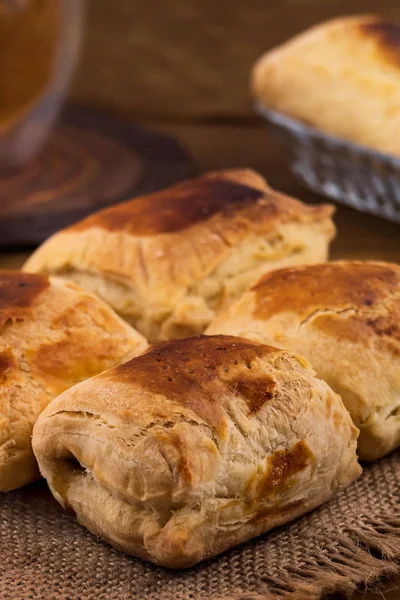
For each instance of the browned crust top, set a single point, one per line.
(325, 286)
(198, 200)
(197, 373)
(175, 208)
(18, 293)
(387, 33)
(352, 301)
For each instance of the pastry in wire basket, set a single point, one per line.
(332, 94)
(342, 77)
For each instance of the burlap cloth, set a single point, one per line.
(351, 540)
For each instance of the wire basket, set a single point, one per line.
(359, 177)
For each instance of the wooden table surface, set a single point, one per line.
(247, 143)
(190, 58)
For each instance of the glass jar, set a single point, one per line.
(39, 44)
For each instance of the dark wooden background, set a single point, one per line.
(182, 67)
(190, 59)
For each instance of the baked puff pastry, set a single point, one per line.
(342, 77)
(196, 446)
(52, 335)
(344, 317)
(169, 261)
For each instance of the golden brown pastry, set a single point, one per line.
(342, 76)
(196, 446)
(168, 261)
(344, 317)
(52, 335)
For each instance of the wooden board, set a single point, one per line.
(190, 58)
(90, 161)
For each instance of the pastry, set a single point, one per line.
(344, 317)
(169, 261)
(53, 335)
(342, 77)
(196, 446)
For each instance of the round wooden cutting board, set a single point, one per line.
(90, 161)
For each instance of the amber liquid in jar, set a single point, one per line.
(38, 47)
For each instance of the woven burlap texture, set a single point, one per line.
(354, 539)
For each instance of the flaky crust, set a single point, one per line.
(196, 446)
(53, 335)
(344, 317)
(342, 76)
(169, 261)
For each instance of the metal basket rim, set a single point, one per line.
(281, 120)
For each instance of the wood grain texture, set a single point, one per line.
(190, 58)
(90, 161)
